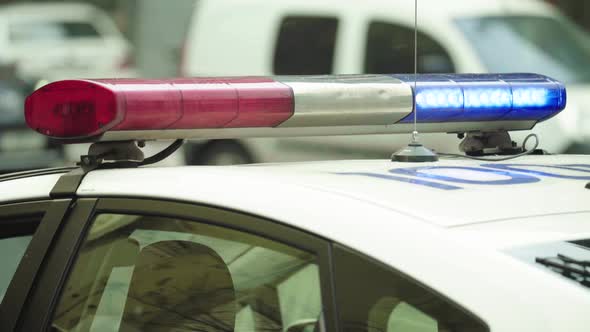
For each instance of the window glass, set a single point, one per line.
(12, 250)
(390, 50)
(15, 236)
(51, 31)
(372, 297)
(305, 46)
(555, 47)
(566, 259)
(139, 273)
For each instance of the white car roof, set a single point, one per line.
(459, 204)
(475, 198)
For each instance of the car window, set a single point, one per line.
(566, 259)
(142, 273)
(51, 31)
(553, 46)
(305, 45)
(15, 236)
(373, 297)
(390, 50)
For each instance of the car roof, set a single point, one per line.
(478, 192)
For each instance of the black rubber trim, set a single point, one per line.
(68, 184)
(37, 309)
(336, 310)
(50, 215)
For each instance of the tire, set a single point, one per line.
(218, 152)
(578, 148)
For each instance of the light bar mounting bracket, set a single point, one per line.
(120, 154)
(118, 151)
(485, 143)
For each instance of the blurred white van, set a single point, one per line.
(261, 37)
(62, 40)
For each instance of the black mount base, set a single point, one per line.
(414, 153)
(489, 143)
(123, 154)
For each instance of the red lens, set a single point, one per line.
(72, 109)
(76, 109)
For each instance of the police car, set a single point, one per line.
(499, 243)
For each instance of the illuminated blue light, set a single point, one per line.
(485, 97)
(439, 98)
(529, 97)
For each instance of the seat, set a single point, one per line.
(179, 286)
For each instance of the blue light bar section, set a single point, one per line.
(484, 97)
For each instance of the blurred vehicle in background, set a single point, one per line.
(20, 147)
(52, 41)
(287, 37)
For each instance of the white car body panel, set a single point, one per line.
(357, 213)
(27, 188)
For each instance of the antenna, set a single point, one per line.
(415, 152)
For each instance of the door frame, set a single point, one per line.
(48, 215)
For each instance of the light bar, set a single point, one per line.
(232, 107)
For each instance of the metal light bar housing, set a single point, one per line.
(236, 107)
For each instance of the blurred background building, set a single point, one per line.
(157, 28)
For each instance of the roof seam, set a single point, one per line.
(476, 223)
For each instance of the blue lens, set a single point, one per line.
(484, 97)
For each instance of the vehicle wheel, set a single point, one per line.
(219, 152)
(578, 148)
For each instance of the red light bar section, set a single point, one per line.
(146, 104)
(262, 104)
(206, 104)
(86, 108)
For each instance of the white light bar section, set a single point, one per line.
(363, 100)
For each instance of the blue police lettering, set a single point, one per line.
(513, 178)
(515, 173)
(521, 168)
(421, 182)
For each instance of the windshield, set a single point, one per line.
(552, 46)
